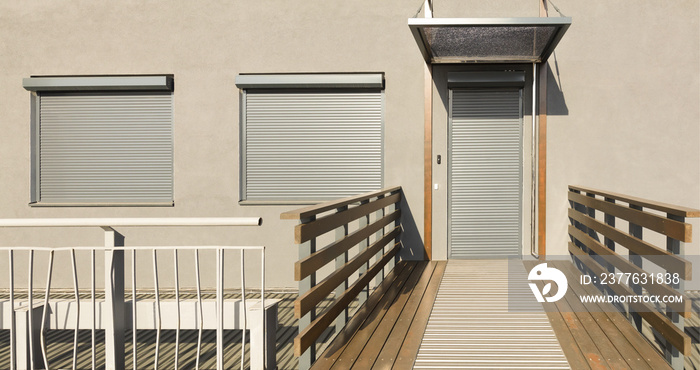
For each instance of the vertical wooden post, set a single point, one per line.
(305, 249)
(610, 221)
(340, 261)
(380, 276)
(609, 243)
(397, 206)
(428, 150)
(363, 222)
(673, 355)
(636, 231)
(428, 163)
(591, 214)
(114, 300)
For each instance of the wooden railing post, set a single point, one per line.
(398, 223)
(380, 277)
(580, 208)
(591, 214)
(114, 300)
(677, 247)
(636, 231)
(340, 261)
(609, 243)
(306, 249)
(363, 222)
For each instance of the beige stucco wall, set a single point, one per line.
(205, 44)
(624, 103)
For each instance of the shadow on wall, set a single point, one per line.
(556, 103)
(412, 244)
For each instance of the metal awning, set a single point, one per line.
(488, 40)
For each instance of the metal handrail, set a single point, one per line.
(130, 222)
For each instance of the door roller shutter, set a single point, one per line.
(485, 173)
(312, 144)
(105, 147)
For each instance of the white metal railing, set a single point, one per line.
(114, 311)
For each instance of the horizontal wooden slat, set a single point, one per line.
(646, 203)
(674, 229)
(661, 257)
(311, 298)
(312, 263)
(314, 210)
(307, 337)
(624, 265)
(308, 231)
(658, 321)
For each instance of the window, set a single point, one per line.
(310, 137)
(102, 140)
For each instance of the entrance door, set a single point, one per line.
(485, 172)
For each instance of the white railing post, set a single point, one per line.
(113, 316)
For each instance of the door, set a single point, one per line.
(485, 172)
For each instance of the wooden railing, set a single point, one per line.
(665, 219)
(377, 214)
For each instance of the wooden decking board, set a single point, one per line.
(615, 338)
(360, 320)
(624, 335)
(388, 332)
(629, 332)
(585, 343)
(365, 334)
(412, 330)
(380, 338)
(571, 350)
(618, 352)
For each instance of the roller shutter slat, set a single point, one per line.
(106, 148)
(312, 146)
(485, 173)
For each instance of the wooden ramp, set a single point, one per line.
(472, 326)
(386, 332)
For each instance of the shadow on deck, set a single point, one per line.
(389, 332)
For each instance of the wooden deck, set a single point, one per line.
(596, 335)
(387, 331)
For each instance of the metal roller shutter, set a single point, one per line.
(485, 172)
(105, 147)
(311, 145)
